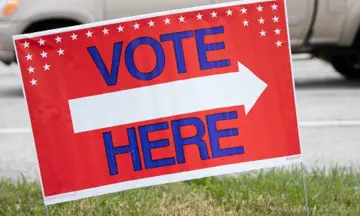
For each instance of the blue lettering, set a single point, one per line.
(130, 62)
(148, 145)
(112, 151)
(204, 48)
(110, 79)
(178, 47)
(180, 142)
(215, 135)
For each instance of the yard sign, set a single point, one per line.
(160, 98)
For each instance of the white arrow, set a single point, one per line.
(169, 99)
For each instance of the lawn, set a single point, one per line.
(271, 192)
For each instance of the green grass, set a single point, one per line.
(272, 192)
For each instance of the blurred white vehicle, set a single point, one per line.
(328, 29)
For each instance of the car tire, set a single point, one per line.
(347, 65)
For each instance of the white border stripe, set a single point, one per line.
(184, 176)
(138, 17)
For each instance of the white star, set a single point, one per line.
(243, 10)
(151, 23)
(136, 26)
(120, 28)
(259, 8)
(263, 33)
(276, 19)
(43, 54)
(182, 19)
(89, 34)
(74, 36)
(278, 43)
(229, 12)
(105, 31)
(261, 20)
(31, 69)
(33, 82)
(26, 44)
(246, 23)
(46, 67)
(277, 31)
(213, 14)
(61, 52)
(28, 57)
(167, 21)
(41, 42)
(58, 39)
(199, 16)
(274, 6)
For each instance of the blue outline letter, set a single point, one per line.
(215, 135)
(148, 145)
(112, 151)
(180, 142)
(160, 58)
(178, 47)
(110, 79)
(203, 48)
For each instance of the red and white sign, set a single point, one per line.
(160, 98)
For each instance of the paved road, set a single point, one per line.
(329, 114)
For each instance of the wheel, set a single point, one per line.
(346, 60)
(347, 65)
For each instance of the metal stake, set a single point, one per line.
(47, 210)
(305, 193)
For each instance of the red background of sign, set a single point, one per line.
(71, 162)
